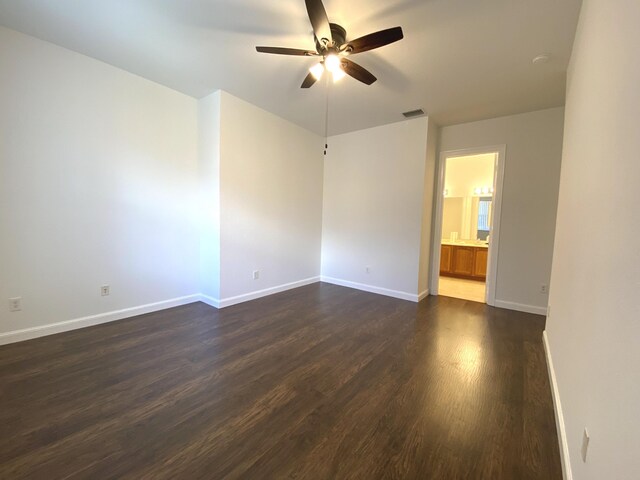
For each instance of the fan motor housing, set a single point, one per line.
(339, 35)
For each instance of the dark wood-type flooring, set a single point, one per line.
(321, 382)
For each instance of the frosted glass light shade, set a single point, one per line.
(317, 70)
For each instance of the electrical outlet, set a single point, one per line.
(15, 304)
(585, 445)
(544, 288)
(256, 274)
(105, 290)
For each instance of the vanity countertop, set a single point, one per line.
(466, 243)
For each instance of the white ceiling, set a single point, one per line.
(461, 60)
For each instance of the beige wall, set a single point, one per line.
(452, 213)
(532, 172)
(463, 174)
(594, 323)
(374, 203)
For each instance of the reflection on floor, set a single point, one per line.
(465, 289)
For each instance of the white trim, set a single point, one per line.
(565, 460)
(496, 215)
(67, 325)
(494, 239)
(212, 302)
(412, 297)
(423, 295)
(520, 307)
(436, 243)
(227, 302)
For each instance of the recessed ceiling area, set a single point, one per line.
(460, 60)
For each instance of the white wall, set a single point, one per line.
(271, 175)
(98, 185)
(209, 170)
(594, 324)
(529, 202)
(374, 183)
(428, 198)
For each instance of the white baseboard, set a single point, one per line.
(212, 302)
(557, 406)
(227, 302)
(59, 327)
(412, 297)
(67, 325)
(521, 307)
(423, 295)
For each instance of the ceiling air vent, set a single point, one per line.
(414, 113)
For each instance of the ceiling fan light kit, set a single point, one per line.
(338, 75)
(333, 47)
(317, 70)
(331, 64)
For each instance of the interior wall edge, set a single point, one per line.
(212, 302)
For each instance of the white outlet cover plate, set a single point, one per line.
(15, 304)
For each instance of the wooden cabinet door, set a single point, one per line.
(463, 260)
(445, 258)
(480, 263)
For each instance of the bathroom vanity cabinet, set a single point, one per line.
(464, 261)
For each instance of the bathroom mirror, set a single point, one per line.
(469, 217)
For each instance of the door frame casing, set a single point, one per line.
(496, 211)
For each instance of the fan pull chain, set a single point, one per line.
(326, 118)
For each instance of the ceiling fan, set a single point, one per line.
(332, 46)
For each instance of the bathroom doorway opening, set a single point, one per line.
(467, 225)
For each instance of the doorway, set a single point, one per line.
(467, 224)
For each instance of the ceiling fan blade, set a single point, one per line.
(357, 72)
(374, 40)
(309, 81)
(287, 51)
(319, 20)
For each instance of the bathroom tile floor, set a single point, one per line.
(464, 289)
